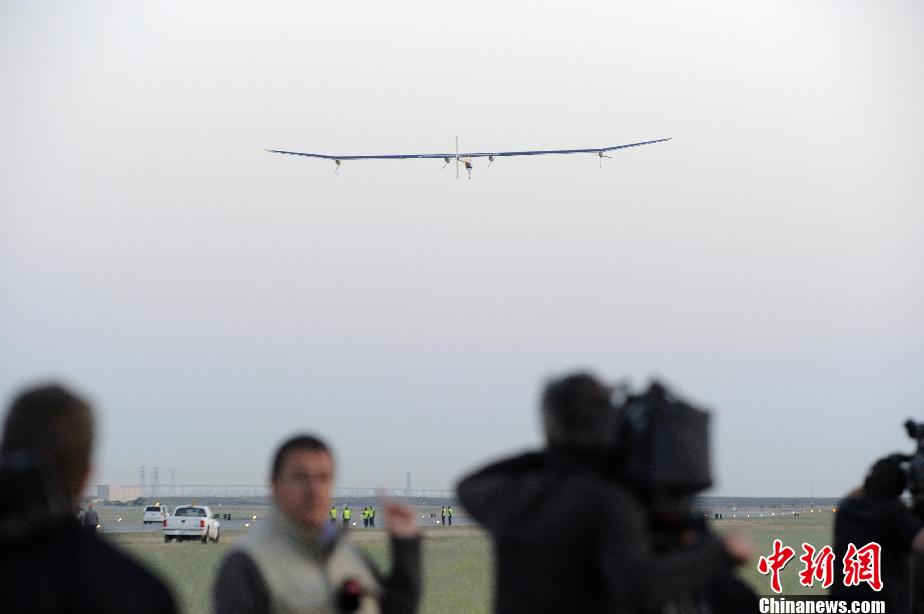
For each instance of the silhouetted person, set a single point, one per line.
(567, 537)
(90, 517)
(50, 563)
(874, 513)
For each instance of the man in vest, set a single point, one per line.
(365, 517)
(333, 514)
(443, 515)
(449, 514)
(372, 516)
(346, 515)
(297, 562)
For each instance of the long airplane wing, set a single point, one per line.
(371, 157)
(543, 152)
(480, 154)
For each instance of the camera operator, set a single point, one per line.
(874, 513)
(567, 536)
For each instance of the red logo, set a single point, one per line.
(775, 563)
(817, 566)
(860, 565)
(863, 566)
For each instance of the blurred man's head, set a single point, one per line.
(303, 480)
(577, 413)
(885, 480)
(56, 427)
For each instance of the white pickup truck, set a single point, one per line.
(155, 514)
(192, 522)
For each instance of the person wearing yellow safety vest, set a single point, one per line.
(366, 517)
(333, 514)
(346, 515)
(449, 514)
(372, 516)
(443, 514)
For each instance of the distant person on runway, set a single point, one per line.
(90, 518)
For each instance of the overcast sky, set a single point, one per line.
(212, 298)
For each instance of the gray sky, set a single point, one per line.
(213, 298)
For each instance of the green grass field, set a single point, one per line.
(457, 561)
(814, 528)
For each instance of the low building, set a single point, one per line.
(107, 492)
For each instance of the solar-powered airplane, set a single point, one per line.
(466, 158)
